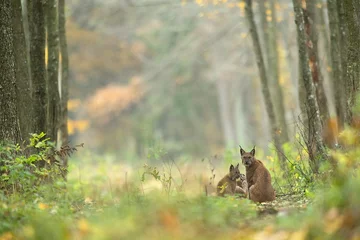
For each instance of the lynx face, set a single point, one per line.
(247, 157)
(234, 172)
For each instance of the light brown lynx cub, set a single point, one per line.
(258, 178)
(228, 184)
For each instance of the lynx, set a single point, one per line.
(258, 178)
(228, 184)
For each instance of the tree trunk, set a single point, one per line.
(37, 63)
(268, 22)
(353, 56)
(315, 147)
(277, 91)
(310, 24)
(227, 127)
(64, 80)
(53, 110)
(336, 63)
(9, 121)
(264, 81)
(21, 71)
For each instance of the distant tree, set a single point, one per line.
(314, 144)
(21, 71)
(271, 59)
(311, 18)
(37, 63)
(264, 80)
(338, 83)
(9, 120)
(53, 96)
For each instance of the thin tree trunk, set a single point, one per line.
(277, 91)
(37, 63)
(64, 80)
(270, 53)
(312, 106)
(224, 112)
(53, 110)
(353, 56)
(9, 121)
(336, 64)
(310, 24)
(264, 81)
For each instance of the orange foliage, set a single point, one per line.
(112, 100)
(331, 132)
(77, 125)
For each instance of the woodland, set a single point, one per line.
(118, 119)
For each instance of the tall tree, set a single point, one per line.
(64, 80)
(53, 109)
(336, 61)
(271, 57)
(311, 18)
(9, 121)
(37, 63)
(353, 55)
(315, 147)
(264, 81)
(21, 71)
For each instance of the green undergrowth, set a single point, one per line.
(110, 200)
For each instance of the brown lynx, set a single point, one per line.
(228, 184)
(258, 178)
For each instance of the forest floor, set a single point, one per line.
(115, 201)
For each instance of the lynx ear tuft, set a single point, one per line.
(253, 151)
(231, 167)
(237, 166)
(241, 151)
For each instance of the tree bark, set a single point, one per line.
(37, 63)
(64, 80)
(21, 71)
(264, 81)
(53, 109)
(311, 31)
(315, 147)
(336, 63)
(353, 56)
(9, 121)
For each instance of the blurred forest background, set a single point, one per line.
(183, 74)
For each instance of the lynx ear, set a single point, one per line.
(253, 151)
(231, 167)
(241, 151)
(237, 166)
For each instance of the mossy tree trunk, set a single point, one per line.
(53, 105)
(21, 71)
(64, 80)
(315, 146)
(264, 80)
(9, 120)
(353, 55)
(37, 63)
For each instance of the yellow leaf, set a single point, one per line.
(73, 104)
(318, 5)
(268, 12)
(83, 226)
(241, 5)
(43, 206)
(6, 236)
(268, 18)
(243, 35)
(299, 235)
